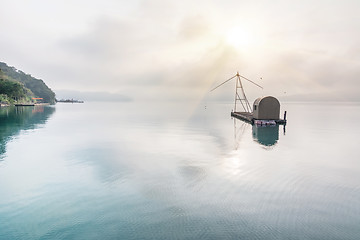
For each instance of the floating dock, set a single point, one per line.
(249, 118)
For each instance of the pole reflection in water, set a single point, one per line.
(239, 130)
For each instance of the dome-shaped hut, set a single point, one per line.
(266, 108)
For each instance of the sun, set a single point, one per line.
(239, 37)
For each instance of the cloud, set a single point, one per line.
(159, 65)
(194, 27)
(161, 50)
(310, 75)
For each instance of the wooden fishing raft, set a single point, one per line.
(266, 110)
(249, 118)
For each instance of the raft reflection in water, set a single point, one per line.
(266, 135)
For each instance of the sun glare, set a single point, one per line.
(239, 38)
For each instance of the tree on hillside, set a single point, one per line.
(12, 89)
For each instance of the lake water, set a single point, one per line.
(178, 171)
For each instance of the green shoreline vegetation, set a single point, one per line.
(18, 87)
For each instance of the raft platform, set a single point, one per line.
(249, 118)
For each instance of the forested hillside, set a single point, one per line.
(16, 86)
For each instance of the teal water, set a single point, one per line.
(178, 171)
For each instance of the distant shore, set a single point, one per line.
(23, 104)
(69, 101)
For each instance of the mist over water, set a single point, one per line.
(175, 171)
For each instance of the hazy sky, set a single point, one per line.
(178, 50)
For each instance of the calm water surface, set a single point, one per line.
(149, 171)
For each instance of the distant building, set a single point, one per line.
(266, 108)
